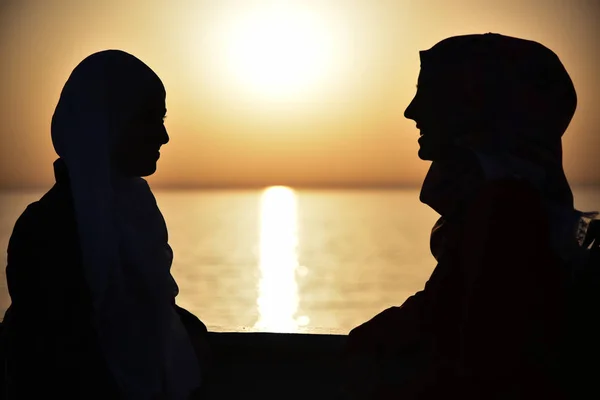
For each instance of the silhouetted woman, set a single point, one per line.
(93, 311)
(491, 321)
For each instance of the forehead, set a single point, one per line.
(451, 76)
(142, 93)
(155, 96)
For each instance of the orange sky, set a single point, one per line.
(328, 112)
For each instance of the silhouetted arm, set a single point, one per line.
(410, 326)
(393, 330)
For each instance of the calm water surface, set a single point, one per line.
(283, 260)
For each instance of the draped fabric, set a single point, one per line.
(122, 234)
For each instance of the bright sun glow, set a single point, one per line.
(278, 289)
(278, 52)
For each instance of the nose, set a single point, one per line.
(164, 136)
(410, 111)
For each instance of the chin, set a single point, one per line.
(427, 154)
(434, 149)
(147, 171)
(427, 148)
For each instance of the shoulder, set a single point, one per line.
(27, 226)
(39, 218)
(32, 214)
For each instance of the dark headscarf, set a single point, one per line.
(525, 81)
(528, 101)
(122, 234)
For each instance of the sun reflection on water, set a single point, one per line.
(277, 289)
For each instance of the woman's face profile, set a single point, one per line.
(447, 105)
(137, 148)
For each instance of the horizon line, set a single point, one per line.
(314, 186)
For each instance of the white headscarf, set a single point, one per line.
(122, 234)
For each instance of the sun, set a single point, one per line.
(278, 52)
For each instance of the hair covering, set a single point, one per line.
(122, 234)
(528, 103)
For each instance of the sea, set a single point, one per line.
(281, 259)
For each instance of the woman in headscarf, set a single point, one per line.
(93, 311)
(491, 321)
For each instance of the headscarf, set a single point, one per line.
(122, 234)
(528, 103)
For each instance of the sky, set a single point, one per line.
(325, 109)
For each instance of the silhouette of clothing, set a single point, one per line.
(111, 104)
(473, 320)
(50, 342)
(492, 319)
